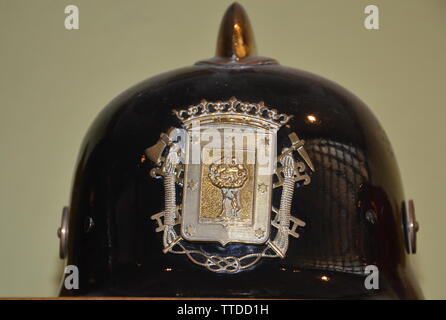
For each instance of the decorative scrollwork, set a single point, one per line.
(228, 264)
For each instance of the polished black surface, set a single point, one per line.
(352, 207)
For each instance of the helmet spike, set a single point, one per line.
(235, 38)
(235, 44)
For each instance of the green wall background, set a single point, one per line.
(53, 82)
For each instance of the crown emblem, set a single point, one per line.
(233, 111)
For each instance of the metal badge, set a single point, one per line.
(224, 160)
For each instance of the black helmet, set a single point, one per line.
(238, 177)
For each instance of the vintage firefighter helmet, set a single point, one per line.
(238, 177)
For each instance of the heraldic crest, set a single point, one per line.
(220, 173)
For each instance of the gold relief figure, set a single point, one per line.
(230, 178)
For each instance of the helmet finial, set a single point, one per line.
(236, 38)
(235, 44)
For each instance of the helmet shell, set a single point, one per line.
(353, 208)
